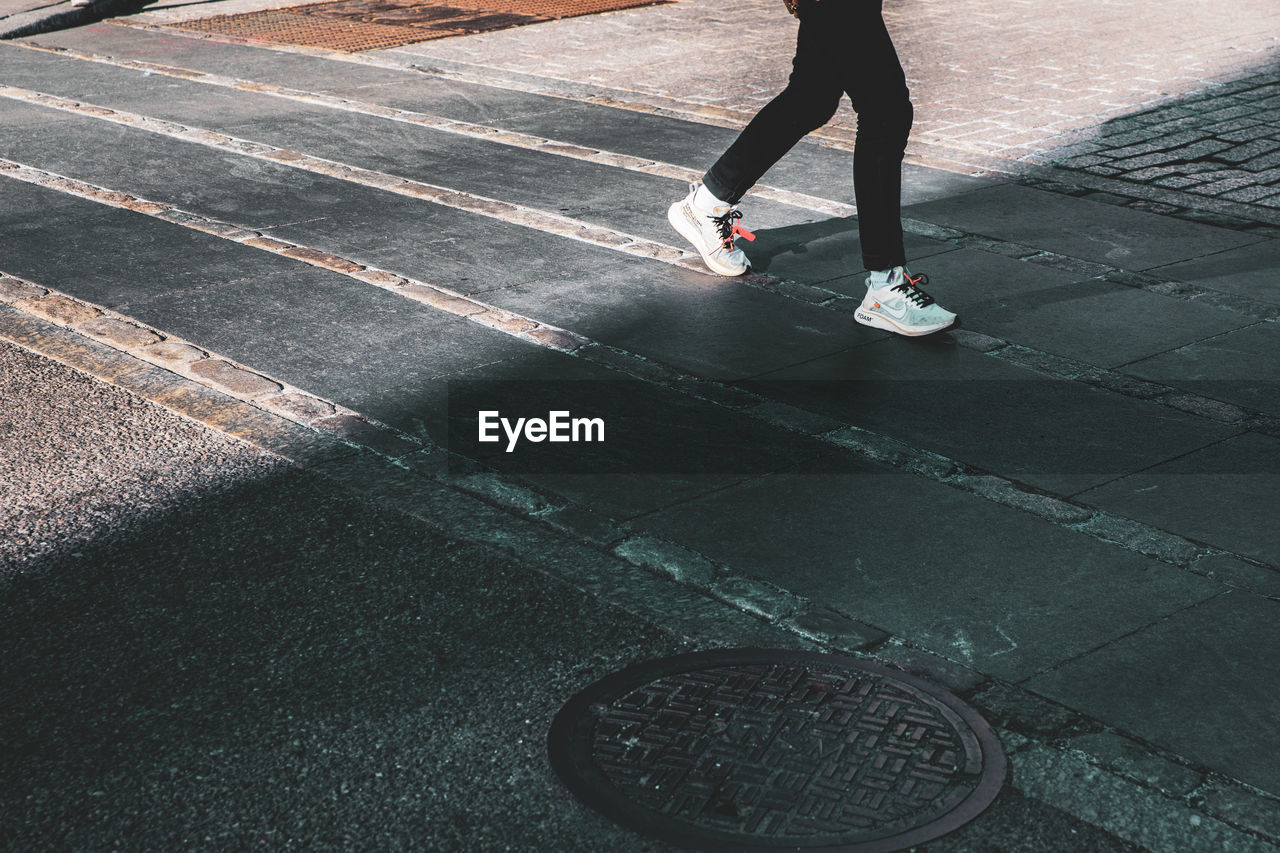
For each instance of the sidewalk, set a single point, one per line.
(996, 86)
(29, 17)
(1059, 512)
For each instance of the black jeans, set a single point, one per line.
(842, 47)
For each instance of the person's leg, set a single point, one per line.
(877, 87)
(810, 100)
(707, 216)
(842, 46)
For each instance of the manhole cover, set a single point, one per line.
(769, 750)
(356, 25)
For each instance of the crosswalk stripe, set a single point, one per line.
(497, 78)
(473, 130)
(505, 211)
(441, 298)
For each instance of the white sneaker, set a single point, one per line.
(712, 233)
(897, 304)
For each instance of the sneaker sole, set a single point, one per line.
(689, 232)
(878, 321)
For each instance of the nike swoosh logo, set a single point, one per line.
(899, 314)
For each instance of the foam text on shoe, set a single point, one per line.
(558, 426)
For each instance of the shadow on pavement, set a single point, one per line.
(1219, 143)
(66, 16)
(282, 665)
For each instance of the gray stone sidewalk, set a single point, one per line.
(10, 8)
(1188, 85)
(28, 17)
(996, 85)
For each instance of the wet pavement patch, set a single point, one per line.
(357, 25)
(757, 749)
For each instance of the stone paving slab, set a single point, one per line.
(1099, 322)
(1239, 367)
(29, 116)
(963, 278)
(330, 335)
(310, 72)
(468, 253)
(1224, 494)
(1248, 271)
(127, 88)
(419, 91)
(586, 191)
(1057, 435)
(1010, 605)
(817, 252)
(87, 234)
(710, 326)
(1129, 239)
(1211, 656)
(426, 240)
(269, 311)
(809, 168)
(157, 168)
(395, 86)
(458, 99)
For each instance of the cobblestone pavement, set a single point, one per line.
(1223, 142)
(996, 85)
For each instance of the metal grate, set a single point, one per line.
(286, 27)
(351, 26)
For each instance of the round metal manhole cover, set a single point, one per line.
(759, 749)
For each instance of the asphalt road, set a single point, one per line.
(208, 648)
